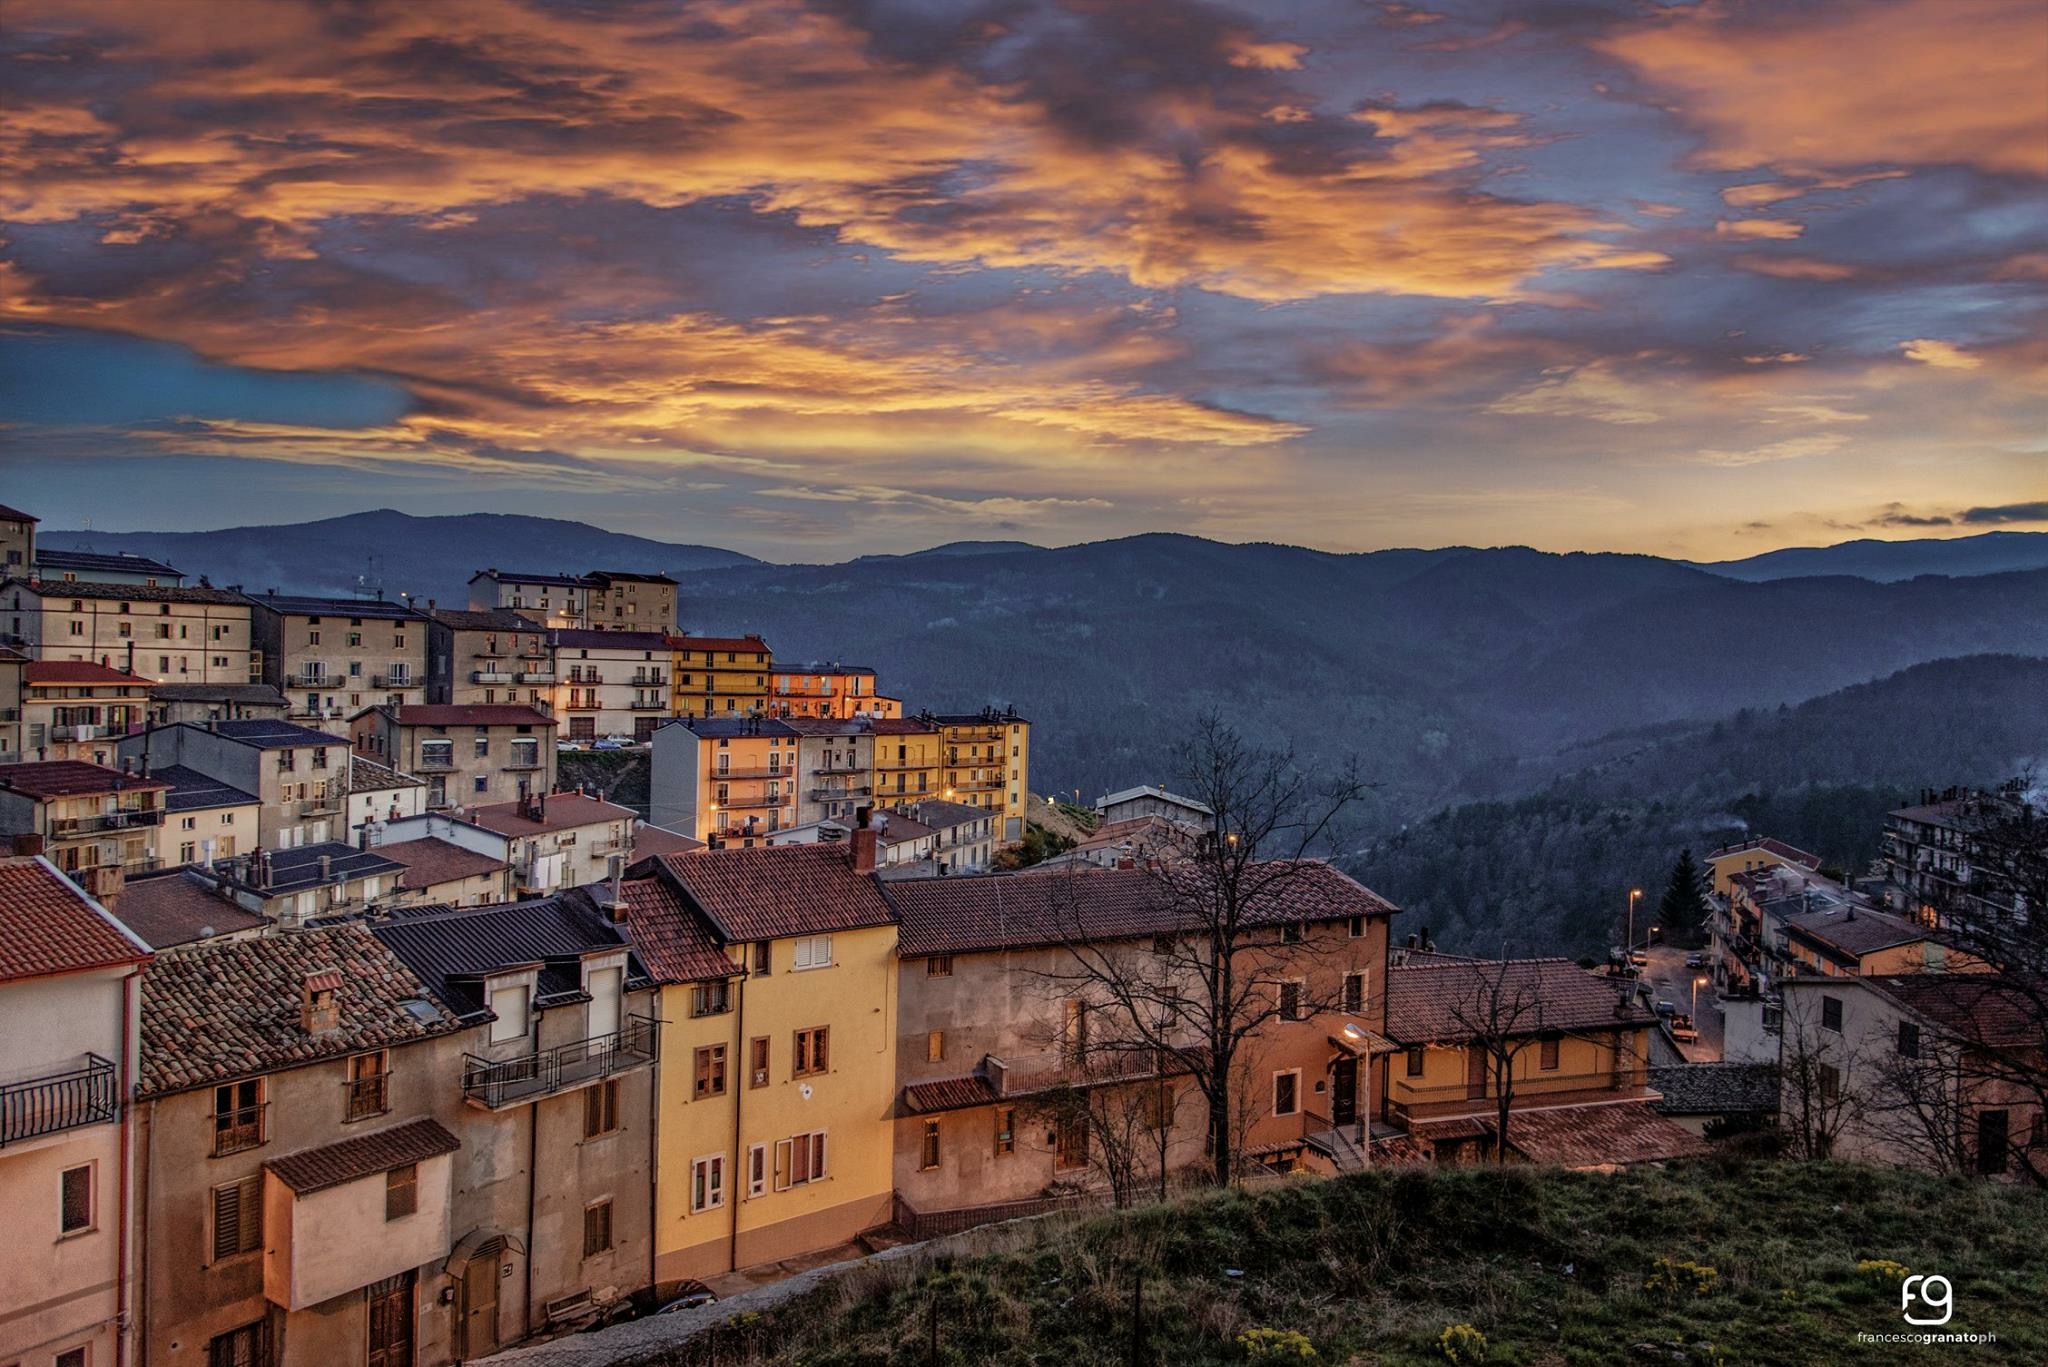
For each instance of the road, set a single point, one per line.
(1670, 980)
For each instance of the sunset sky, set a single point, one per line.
(1699, 279)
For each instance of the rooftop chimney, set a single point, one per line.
(319, 1009)
(326, 867)
(866, 841)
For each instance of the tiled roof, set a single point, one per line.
(1079, 902)
(826, 726)
(902, 726)
(258, 694)
(941, 815)
(627, 577)
(138, 593)
(1771, 846)
(431, 860)
(120, 562)
(179, 907)
(227, 1009)
(832, 667)
(363, 1155)
(652, 840)
(1856, 931)
(17, 515)
(988, 718)
(739, 645)
(566, 581)
(487, 619)
(1976, 1008)
(559, 812)
(366, 775)
(611, 640)
(78, 672)
(451, 949)
(193, 791)
(1459, 1127)
(267, 733)
(43, 780)
(949, 1094)
(1716, 1088)
(298, 605)
(467, 714)
(729, 728)
(675, 943)
(1519, 997)
(48, 926)
(774, 891)
(1589, 1136)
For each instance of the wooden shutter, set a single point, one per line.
(237, 1217)
(784, 1158)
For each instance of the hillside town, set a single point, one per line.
(347, 1023)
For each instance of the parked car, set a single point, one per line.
(1638, 957)
(609, 743)
(1695, 961)
(1683, 1030)
(1667, 1009)
(688, 1296)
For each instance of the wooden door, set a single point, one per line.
(1475, 1072)
(1344, 1092)
(480, 1307)
(391, 1321)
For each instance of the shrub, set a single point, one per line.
(1882, 1272)
(1672, 1278)
(1462, 1344)
(1277, 1345)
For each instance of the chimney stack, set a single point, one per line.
(319, 1007)
(866, 841)
(326, 867)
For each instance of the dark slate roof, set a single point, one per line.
(267, 733)
(626, 577)
(988, 718)
(120, 563)
(610, 640)
(304, 606)
(17, 515)
(1716, 1088)
(179, 907)
(53, 778)
(193, 791)
(1854, 931)
(1079, 902)
(202, 692)
(486, 619)
(138, 593)
(298, 869)
(774, 891)
(559, 812)
(724, 728)
(452, 950)
(49, 926)
(941, 815)
(466, 714)
(1534, 997)
(1769, 845)
(362, 1155)
(567, 581)
(228, 1009)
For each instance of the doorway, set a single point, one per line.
(1344, 1092)
(391, 1321)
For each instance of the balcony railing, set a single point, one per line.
(308, 681)
(585, 676)
(510, 1082)
(515, 762)
(489, 676)
(649, 681)
(648, 705)
(321, 806)
(393, 681)
(589, 704)
(839, 769)
(721, 775)
(124, 820)
(764, 802)
(61, 1101)
(534, 676)
(239, 1129)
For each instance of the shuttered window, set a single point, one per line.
(238, 1217)
(811, 1051)
(401, 1191)
(710, 1071)
(597, 1229)
(799, 1159)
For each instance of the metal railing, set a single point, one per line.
(394, 681)
(58, 1102)
(648, 705)
(509, 1082)
(534, 676)
(239, 1129)
(934, 1224)
(321, 806)
(308, 681)
(368, 1096)
(839, 794)
(127, 818)
(490, 676)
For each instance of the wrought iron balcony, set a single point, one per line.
(128, 818)
(534, 676)
(489, 676)
(58, 1102)
(321, 806)
(515, 1081)
(394, 681)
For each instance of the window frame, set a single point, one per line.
(1294, 1077)
(707, 1183)
(401, 1192)
(710, 1075)
(89, 1220)
(597, 1221)
(811, 1051)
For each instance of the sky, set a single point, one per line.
(816, 280)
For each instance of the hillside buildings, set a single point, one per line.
(334, 656)
(94, 823)
(165, 634)
(71, 709)
(721, 675)
(1131, 804)
(1936, 862)
(468, 753)
(299, 776)
(610, 683)
(833, 691)
(987, 764)
(493, 655)
(603, 600)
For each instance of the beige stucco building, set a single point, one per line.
(299, 777)
(467, 753)
(167, 634)
(333, 657)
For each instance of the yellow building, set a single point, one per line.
(987, 764)
(833, 692)
(909, 760)
(1761, 853)
(724, 779)
(778, 1069)
(718, 676)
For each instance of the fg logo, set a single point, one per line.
(1931, 1293)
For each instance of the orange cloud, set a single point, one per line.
(1771, 229)
(1939, 354)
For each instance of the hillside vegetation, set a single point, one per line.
(1548, 1266)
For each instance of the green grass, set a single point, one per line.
(1550, 1266)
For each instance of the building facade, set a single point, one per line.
(909, 761)
(168, 635)
(610, 683)
(94, 823)
(74, 709)
(831, 691)
(988, 765)
(493, 655)
(467, 753)
(333, 657)
(299, 776)
(721, 676)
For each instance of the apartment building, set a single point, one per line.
(68, 979)
(174, 702)
(479, 753)
(1748, 856)
(778, 992)
(832, 691)
(333, 657)
(204, 818)
(557, 601)
(298, 886)
(622, 601)
(169, 635)
(557, 840)
(936, 838)
(17, 542)
(1013, 1072)
(1932, 860)
(74, 709)
(493, 655)
(724, 778)
(988, 765)
(1569, 1048)
(611, 683)
(909, 760)
(835, 764)
(94, 823)
(299, 777)
(721, 675)
(93, 567)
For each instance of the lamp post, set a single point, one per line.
(1628, 944)
(1697, 980)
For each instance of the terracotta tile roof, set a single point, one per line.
(227, 1009)
(466, 714)
(363, 1155)
(671, 939)
(366, 775)
(137, 593)
(949, 1094)
(1588, 1136)
(1529, 996)
(1397, 1149)
(49, 926)
(487, 619)
(749, 645)
(1977, 1008)
(432, 860)
(774, 891)
(43, 780)
(1854, 932)
(559, 812)
(902, 726)
(998, 911)
(178, 907)
(78, 672)
(1771, 846)
(1460, 1127)
(651, 840)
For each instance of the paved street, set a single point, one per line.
(1670, 980)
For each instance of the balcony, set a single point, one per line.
(978, 785)
(239, 1129)
(489, 676)
(721, 775)
(584, 676)
(648, 705)
(840, 794)
(649, 681)
(750, 803)
(394, 681)
(309, 681)
(513, 1082)
(147, 864)
(517, 762)
(534, 676)
(59, 1102)
(839, 769)
(321, 806)
(127, 819)
(583, 704)
(435, 764)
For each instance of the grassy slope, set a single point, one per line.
(1372, 1269)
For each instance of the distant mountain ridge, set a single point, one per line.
(1886, 561)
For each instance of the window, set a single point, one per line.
(509, 1005)
(1162, 944)
(1547, 1053)
(70, 1357)
(1157, 1105)
(764, 958)
(1357, 927)
(707, 1183)
(811, 1052)
(799, 1159)
(1290, 934)
(1287, 1092)
(237, 1116)
(597, 1228)
(601, 1109)
(1354, 992)
(401, 1191)
(710, 1071)
(75, 1200)
(1830, 1082)
(1831, 1014)
(369, 1085)
(935, 1047)
(1290, 1001)
(483, 745)
(939, 966)
(757, 1061)
(928, 1151)
(1074, 1032)
(1006, 1130)
(247, 1346)
(437, 753)
(710, 999)
(757, 1170)
(238, 1217)
(813, 951)
(525, 753)
(1909, 1040)
(1070, 1142)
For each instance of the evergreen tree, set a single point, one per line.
(1683, 911)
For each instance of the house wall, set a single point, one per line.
(988, 764)
(1587, 1070)
(847, 780)
(81, 721)
(611, 690)
(380, 736)
(907, 767)
(349, 673)
(232, 830)
(487, 666)
(717, 683)
(301, 805)
(201, 642)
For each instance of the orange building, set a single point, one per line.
(833, 692)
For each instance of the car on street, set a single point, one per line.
(1683, 1030)
(1667, 1009)
(1695, 961)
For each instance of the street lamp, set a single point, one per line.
(1696, 997)
(1628, 944)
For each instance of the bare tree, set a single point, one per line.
(1228, 955)
(1500, 1017)
(1918, 1102)
(1819, 1074)
(1128, 1127)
